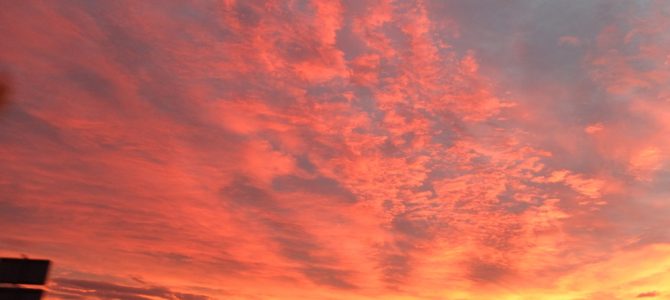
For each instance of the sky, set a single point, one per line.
(354, 149)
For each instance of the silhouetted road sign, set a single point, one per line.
(11, 293)
(24, 271)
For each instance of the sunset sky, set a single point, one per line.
(355, 149)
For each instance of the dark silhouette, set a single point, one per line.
(15, 271)
(14, 293)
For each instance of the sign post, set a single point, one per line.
(15, 271)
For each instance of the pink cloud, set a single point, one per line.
(334, 150)
(569, 40)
